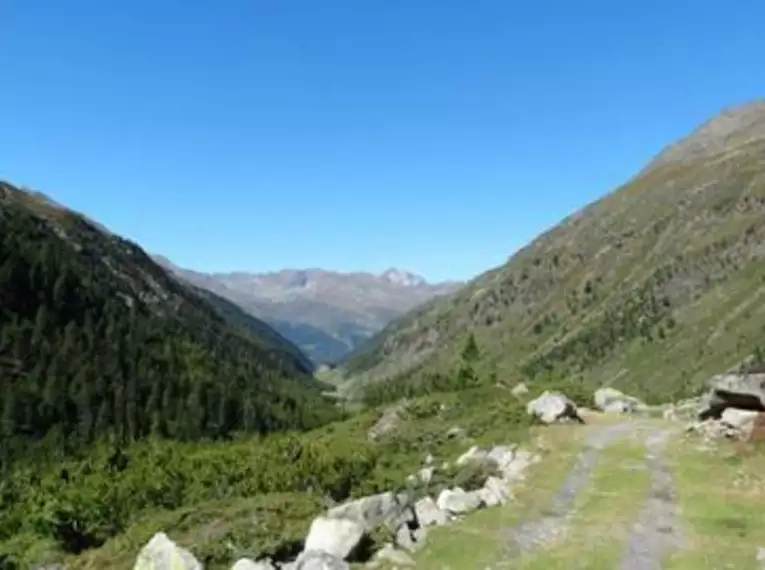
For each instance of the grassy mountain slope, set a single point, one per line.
(326, 313)
(654, 287)
(96, 339)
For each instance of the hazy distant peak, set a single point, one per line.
(402, 277)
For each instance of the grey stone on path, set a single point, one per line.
(658, 528)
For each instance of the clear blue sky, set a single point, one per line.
(433, 135)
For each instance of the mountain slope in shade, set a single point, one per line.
(326, 313)
(96, 339)
(652, 288)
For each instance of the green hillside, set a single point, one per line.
(654, 287)
(97, 340)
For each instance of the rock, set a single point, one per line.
(761, 557)
(375, 510)
(410, 539)
(475, 453)
(455, 432)
(553, 407)
(428, 459)
(426, 474)
(396, 557)
(494, 492)
(319, 560)
(161, 553)
(389, 419)
(502, 456)
(740, 420)
(335, 536)
(428, 513)
(519, 390)
(514, 471)
(247, 564)
(742, 391)
(612, 400)
(458, 501)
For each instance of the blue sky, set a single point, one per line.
(433, 135)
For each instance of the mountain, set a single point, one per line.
(326, 313)
(96, 339)
(653, 288)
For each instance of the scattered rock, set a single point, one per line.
(319, 560)
(428, 459)
(426, 474)
(335, 536)
(553, 407)
(384, 508)
(740, 420)
(247, 564)
(458, 501)
(494, 492)
(519, 390)
(161, 553)
(614, 401)
(475, 453)
(455, 432)
(428, 513)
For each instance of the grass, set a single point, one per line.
(722, 498)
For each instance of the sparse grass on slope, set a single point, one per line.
(653, 288)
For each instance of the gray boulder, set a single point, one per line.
(494, 492)
(553, 407)
(428, 513)
(319, 560)
(612, 400)
(384, 508)
(247, 564)
(458, 501)
(740, 420)
(161, 553)
(333, 535)
(742, 391)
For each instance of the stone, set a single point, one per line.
(742, 391)
(455, 432)
(515, 470)
(614, 401)
(553, 407)
(319, 560)
(161, 553)
(428, 513)
(494, 492)
(426, 474)
(372, 511)
(247, 564)
(458, 501)
(333, 535)
(761, 557)
(404, 538)
(393, 556)
(740, 420)
(519, 390)
(428, 459)
(502, 456)
(388, 421)
(475, 453)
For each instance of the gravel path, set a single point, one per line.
(533, 534)
(658, 529)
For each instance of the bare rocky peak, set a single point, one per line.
(732, 128)
(402, 277)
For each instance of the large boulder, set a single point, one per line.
(740, 420)
(494, 492)
(742, 391)
(161, 553)
(612, 400)
(333, 535)
(247, 564)
(553, 407)
(388, 508)
(458, 501)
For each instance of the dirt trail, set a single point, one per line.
(658, 529)
(533, 534)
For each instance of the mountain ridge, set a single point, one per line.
(327, 313)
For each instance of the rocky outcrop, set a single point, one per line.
(161, 553)
(334, 535)
(613, 401)
(552, 407)
(387, 422)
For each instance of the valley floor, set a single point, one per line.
(626, 494)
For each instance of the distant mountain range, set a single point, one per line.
(327, 314)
